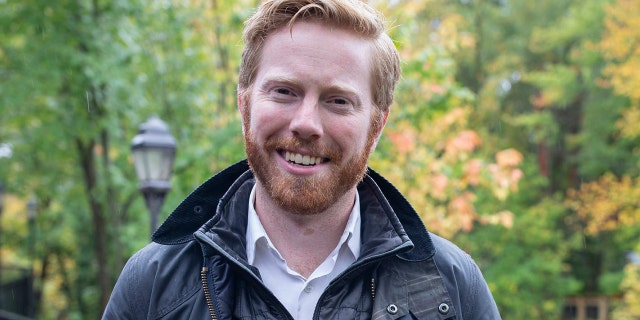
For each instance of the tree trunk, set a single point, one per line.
(88, 165)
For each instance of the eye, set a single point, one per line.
(283, 91)
(339, 101)
(340, 104)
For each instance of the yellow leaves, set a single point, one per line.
(451, 37)
(629, 308)
(628, 123)
(607, 204)
(621, 46)
(504, 218)
(621, 25)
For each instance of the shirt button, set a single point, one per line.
(308, 288)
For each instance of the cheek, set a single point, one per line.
(351, 137)
(264, 122)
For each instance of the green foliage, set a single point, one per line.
(77, 80)
(537, 70)
(606, 151)
(629, 307)
(516, 276)
(525, 265)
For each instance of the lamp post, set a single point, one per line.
(32, 212)
(154, 150)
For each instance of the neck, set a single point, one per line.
(304, 241)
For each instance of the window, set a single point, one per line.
(586, 308)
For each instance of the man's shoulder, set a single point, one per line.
(464, 280)
(156, 264)
(447, 252)
(455, 263)
(155, 256)
(148, 286)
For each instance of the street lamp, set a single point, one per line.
(154, 150)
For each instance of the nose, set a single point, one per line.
(306, 121)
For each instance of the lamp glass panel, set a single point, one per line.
(140, 164)
(153, 164)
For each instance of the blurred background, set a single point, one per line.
(514, 134)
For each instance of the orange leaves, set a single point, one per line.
(505, 172)
(472, 171)
(403, 141)
(439, 168)
(509, 158)
(607, 204)
(464, 143)
(439, 183)
(462, 210)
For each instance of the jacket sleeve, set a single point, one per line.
(465, 283)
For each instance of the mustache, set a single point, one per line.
(315, 148)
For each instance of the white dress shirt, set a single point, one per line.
(297, 294)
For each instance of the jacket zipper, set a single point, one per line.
(373, 289)
(207, 293)
(205, 287)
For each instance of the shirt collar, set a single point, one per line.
(256, 232)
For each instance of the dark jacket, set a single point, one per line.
(196, 266)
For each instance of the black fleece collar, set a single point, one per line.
(199, 207)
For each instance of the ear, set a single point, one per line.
(383, 123)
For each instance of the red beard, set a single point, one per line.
(305, 195)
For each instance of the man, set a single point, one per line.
(303, 230)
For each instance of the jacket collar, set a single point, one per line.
(199, 207)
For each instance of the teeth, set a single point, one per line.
(300, 159)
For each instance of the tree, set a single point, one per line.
(535, 71)
(621, 47)
(78, 78)
(630, 306)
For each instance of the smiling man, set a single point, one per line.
(303, 229)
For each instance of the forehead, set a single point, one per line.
(319, 51)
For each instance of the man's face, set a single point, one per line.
(308, 116)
